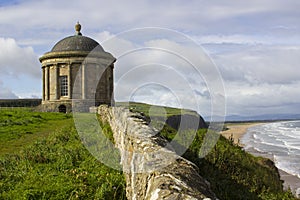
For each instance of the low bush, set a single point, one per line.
(232, 172)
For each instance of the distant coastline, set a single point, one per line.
(237, 129)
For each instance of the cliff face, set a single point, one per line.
(151, 167)
(186, 121)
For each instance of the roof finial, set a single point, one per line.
(77, 29)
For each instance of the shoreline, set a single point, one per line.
(237, 130)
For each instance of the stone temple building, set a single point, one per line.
(77, 73)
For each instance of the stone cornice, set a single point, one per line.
(68, 54)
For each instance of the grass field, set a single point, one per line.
(155, 111)
(42, 157)
(21, 126)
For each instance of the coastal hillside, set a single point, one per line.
(54, 164)
(232, 172)
(173, 117)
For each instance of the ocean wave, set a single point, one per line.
(281, 139)
(289, 164)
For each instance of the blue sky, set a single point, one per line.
(255, 45)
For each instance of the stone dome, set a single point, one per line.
(77, 42)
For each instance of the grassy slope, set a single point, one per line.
(53, 163)
(59, 167)
(232, 172)
(154, 111)
(236, 174)
(20, 126)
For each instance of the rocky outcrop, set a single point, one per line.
(152, 168)
(186, 121)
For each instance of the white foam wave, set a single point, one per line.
(288, 164)
(282, 139)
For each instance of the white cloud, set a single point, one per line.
(16, 60)
(261, 64)
(247, 99)
(103, 36)
(6, 93)
(239, 39)
(261, 79)
(231, 30)
(19, 69)
(251, 73)
(171, 69)
(196, 16)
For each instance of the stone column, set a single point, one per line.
(111, 91)
(69, 82)
(46, 83)
(43, 93)
(56, 75)
(107, 74)
(83, 91)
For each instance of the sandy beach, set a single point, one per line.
(237, 130)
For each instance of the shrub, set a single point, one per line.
(232, 172)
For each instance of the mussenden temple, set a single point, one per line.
(77, 71)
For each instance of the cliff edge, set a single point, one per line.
(152, 168)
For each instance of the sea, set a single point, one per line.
(279, 141)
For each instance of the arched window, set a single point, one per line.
(63, 81)
(62, 109)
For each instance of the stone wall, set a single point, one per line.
(151, 167)
(20, 102)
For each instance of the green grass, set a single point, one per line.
(20, 126)
(232, 172)
(54, 164)
(51, 162)
(154, 111)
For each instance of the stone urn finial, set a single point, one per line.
(77, 29)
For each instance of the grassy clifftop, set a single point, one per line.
(42, 157)
(21, 126)
(232, 172)
(156, 110)
(52, 163)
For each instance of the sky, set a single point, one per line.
(234, 57)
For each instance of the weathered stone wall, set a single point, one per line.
(151, 167)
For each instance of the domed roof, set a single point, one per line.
(77, 42)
